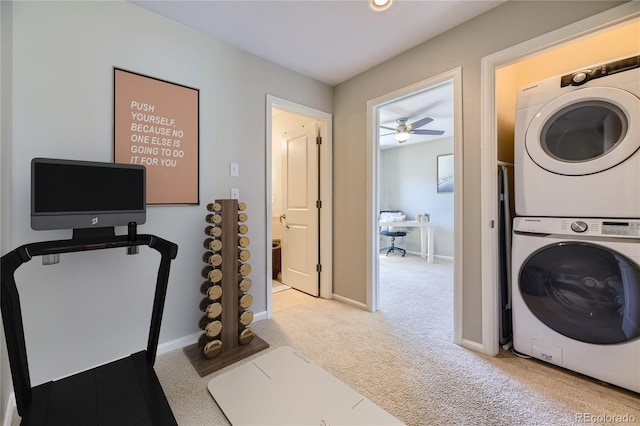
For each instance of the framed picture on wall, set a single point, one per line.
(445, 173)
(156, 124)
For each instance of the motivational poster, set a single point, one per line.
(156, 125)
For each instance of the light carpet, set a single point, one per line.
(403, 359)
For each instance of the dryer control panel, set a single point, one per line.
(578, 78)
(619, 228)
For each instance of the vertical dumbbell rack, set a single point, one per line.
(231, 349)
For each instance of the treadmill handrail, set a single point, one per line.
(10, 298)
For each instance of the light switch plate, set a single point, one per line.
(233, 169)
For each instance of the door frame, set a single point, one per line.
(489, 147)
(373, 190)
(325, 122)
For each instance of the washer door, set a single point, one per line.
(585, 131)
(583, 291)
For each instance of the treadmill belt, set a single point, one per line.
(120, 393)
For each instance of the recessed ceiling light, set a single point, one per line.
(380, 5)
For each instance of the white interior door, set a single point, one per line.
(300, 233)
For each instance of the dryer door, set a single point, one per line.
(583, 291)
(585, 131)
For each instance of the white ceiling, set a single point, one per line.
(329, 40)
(334, 40)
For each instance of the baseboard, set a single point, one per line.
(259, 316)
(178, 343)
(10, 410)
(190, 339)
(351, 302)
(440, 256)
(473, 346)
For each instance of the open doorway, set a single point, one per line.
(298, 200)
(416, 187)
(398, 195)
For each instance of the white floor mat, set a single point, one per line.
(282, 387)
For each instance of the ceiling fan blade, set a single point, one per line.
(388, 128)
(421, 122)
(427, 132)
(387, 134)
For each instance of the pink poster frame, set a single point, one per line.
(156, 124)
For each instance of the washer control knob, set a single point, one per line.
(579, 226)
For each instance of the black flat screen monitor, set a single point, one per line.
(71, 194)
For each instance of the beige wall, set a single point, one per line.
(464, 46)
(6, 50)
(62, 106)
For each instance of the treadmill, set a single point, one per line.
(122, 392)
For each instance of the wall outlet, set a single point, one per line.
(235, 193)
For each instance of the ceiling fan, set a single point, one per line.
(404, 130)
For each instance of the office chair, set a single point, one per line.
(392, 215)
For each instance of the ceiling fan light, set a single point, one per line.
(380, 5)
(402, 136)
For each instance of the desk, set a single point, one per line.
(426, 236)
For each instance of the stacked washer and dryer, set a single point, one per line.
(576, 234)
